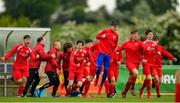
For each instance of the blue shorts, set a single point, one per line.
(103, 59)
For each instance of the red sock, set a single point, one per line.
(144, 84)
(148, 87)
(157, 88)
(20, 90)
(67, 92)
(177, 92)
(111, 89)
(106, 85)
(128, 84)
(74, 86)
(133, 82)
(86, 81)
(86, 88)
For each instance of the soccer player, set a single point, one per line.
(85, 86)
(65, 58)
(133, 50)
(51, 70)
(158, 64)
(108, 40)
(150, 50)
(20, 65)
(35, 65)
(92, 72)
(77, 60)
(113, 71)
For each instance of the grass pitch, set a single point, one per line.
(95, 98)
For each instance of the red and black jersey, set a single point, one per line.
(38, 50)
(52, 64)
(65, 57)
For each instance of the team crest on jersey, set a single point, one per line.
(114, 37)
(82, 55)
(27, 52)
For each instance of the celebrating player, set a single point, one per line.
(35, 65)
(108, 40)
(132, 49)
(158, 64)
(21, 65)
(51, 70)
(150, 50)
(65, 57)
(77, 60)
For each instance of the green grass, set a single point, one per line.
(96, 98)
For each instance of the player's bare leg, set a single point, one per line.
(134, 76)
(69, 87)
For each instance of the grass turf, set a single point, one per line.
(96, 98)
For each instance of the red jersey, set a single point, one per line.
(51, 64)
(159, 58)
(116, 57)
(66, 60)
(107, 44)
(38, 50)
(22, 55)
(150, 51)
(94, 51)
(133, 50)
(77, 57)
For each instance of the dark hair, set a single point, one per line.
(39, 39)
(114, 23)
(88, 41)
(80, 41)
(66, 46)
(148, 31)
(134, 31)
(26, 36)
(156, 38)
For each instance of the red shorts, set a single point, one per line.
(113, 72)
(77, 74)
(19, 72)
(149, 69)
(85, 71)
(130, 66)
(159, 71)
(93, 67)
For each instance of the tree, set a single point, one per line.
(33, 9)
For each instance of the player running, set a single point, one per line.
(65, 58)
(51, 70)
(34, 65)
(21, 65)
(108, 41)
(133, 52)
(150, 50)
(158, 64)
(113, 72)
(77, 60)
